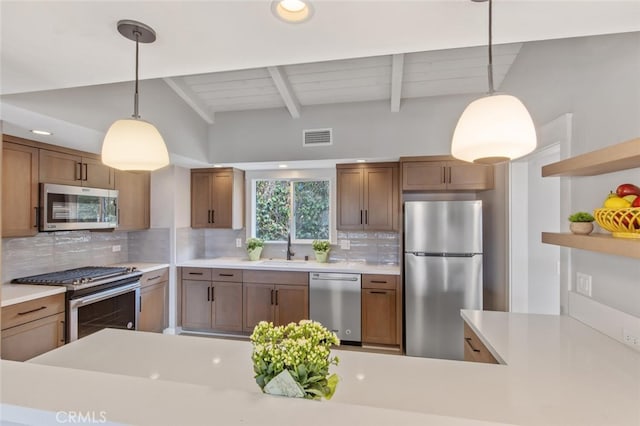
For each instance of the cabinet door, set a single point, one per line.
(95, 174)
(153, 307)
(34, 338)
(258, 304)
(379, 316)
(196, 304)
(133, 200)
(200, 200)
(292, 303)
(61, 168)
(423, 176)
(221, 199)
(350, 187)
(19, 190)
(469, 176)
(380, 198)
(227, 306)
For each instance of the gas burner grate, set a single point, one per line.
(75, 276)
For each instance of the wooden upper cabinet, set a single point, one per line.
(217, 198)
(444, 174)
(133, 200)
(19, 190)
(68, 169)
(367, 197)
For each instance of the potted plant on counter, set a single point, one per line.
(581, 223)
(254, 248)
(321, 249)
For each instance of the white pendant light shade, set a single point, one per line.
(132, 144)
(493, 129)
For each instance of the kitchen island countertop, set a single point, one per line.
(557, 372)
(292, 265)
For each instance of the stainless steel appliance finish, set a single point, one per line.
(443, 274)
(97, 297)
(334, 301)
(64, 207)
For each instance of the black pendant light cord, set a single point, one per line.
(135, 96)
(490, 66)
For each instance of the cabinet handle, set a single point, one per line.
(360, 217)
(225, 275)
(468, 341)
(37, 225)
(78, 171)
(86, 171)
(32, 311)
(118, 216)
(208, 294)
(366, 217)
(63, 333)
(449, 174)
(276, 297)
(154, 278)
(378, 292)
(378, 281)
(213, 294)
(272, 297)
(140, 303)
(213, 216)
(208, 216)
(195, 273)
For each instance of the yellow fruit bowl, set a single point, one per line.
(622, 223)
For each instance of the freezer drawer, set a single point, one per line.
(436, 289)
(335, 302)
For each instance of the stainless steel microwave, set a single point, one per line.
(64, 207)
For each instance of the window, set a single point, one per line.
(301, 207)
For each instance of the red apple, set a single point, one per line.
(627, 189)
(636, 202)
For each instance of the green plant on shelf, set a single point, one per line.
(581, 217)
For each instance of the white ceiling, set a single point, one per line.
(235, 55)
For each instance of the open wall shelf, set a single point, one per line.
(603, 243)
(622, 156)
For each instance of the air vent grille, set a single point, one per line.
(317, 137)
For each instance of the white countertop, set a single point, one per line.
(292, 265)
(558, 371)
(18, 293)
(143, 266)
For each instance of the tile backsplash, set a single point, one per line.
(55, 251)
(151, 245)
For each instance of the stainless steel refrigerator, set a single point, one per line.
(443, 274)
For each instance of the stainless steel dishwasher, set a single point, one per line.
(334, 301)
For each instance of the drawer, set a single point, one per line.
(154, 277)
(229, 275)
(275, 277)
(32, 310)
(379, 281)
(198, 274)
(474, 349)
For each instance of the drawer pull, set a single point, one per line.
(63, 332)
(379, 281)
(156, 277)
(226, 275)
(32, 311)
(195, 273)
(468, 340)
(378, 292)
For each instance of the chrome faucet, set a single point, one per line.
(290, 254)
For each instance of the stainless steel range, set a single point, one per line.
(97, 297)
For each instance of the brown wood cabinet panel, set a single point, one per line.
(468, 176)
(379, 281)
(61, 168)
(379, 316)
(292, 303)
(19, 190)
(154, 277)
(226, 275)
(196, 304)
(33, 338)
(258, 304)
(196, 274)
(275, 277)
(95, 174)
(350, 199)
(221, 196)
(227, 306)
(200, 200)
(32, 310)
(153, 307)
(474, 349)
(445, 175)
(423, 176)
(217, 198)
(380, 198)
(134, 190)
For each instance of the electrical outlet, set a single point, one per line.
(116, 248)
(345, 244)
(630, 339)
(583, 284)
(238, 242)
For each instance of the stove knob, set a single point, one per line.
(129, 325)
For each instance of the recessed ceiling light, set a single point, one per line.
(41, 132)
(292, 11)
(283, 166)
(361, 161)
(217, 165)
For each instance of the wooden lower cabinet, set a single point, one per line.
(211, 305)
(474, 349)
(291, 303)
(153, 303)
(196, 304)
(381, 310)
(32, 328)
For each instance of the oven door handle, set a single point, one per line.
(93, 298)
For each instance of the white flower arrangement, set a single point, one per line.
(301, 350)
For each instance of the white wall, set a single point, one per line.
(598, 80)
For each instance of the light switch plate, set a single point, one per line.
(116, 248)
(583, 284)
(238, 242)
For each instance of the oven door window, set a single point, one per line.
(114, 312)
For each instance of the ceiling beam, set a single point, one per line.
(397, 67)
(282, 83)
(190, 97)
